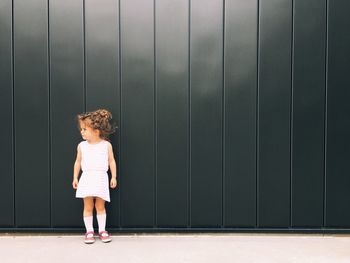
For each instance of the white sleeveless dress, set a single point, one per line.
(94, 164)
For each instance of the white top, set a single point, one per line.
(94, 156)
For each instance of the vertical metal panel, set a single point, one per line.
(102, 73)
(206, 112)
(308, 113)
(67, 100)
(240, 112)
(6, 134)
(274, 113)
(137, 121)
(172, 112)
(31, 113)
(338, 112)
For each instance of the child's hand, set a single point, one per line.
(75, 183)
(113, 183)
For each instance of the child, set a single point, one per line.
(94, 155)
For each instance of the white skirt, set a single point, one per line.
(95, 184)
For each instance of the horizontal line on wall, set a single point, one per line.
(185, 230)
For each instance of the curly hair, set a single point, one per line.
(99, 120)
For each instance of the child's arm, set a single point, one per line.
(76, 168)
(112, 166)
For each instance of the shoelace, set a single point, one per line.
(90, 235)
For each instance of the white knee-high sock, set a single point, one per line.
(101, 219)
(88, 221)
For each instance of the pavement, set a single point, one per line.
(179, 248)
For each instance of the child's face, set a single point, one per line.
(87, 132)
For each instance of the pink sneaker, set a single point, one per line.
(89, 237)
(105, 237)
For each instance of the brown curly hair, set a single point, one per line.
(99, 120)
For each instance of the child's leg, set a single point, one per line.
(88, 213)
(101, 214)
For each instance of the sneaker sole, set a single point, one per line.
(89, 242)
(106, 241)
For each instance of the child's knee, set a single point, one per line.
(88, 207)
(88, 204)
(100, 206)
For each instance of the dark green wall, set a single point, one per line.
(232, 114)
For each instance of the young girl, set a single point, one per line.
(94, 155)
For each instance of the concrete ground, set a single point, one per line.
(179, 248)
